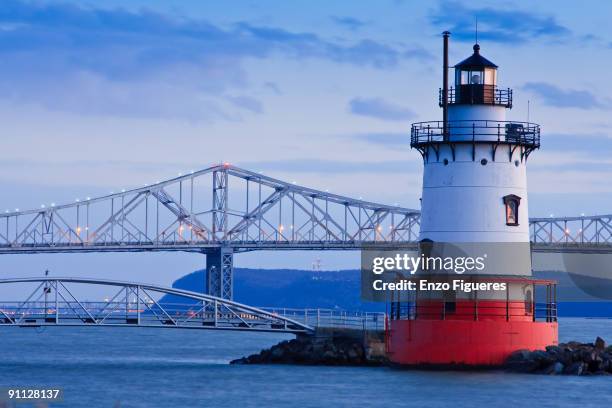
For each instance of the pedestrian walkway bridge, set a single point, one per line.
(60, 302)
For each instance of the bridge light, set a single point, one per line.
(226, 164)
(552, 215)
(52, 204)
(123, 190)
(192, 171)
(78, 200)
(78, 230)
(88, 198)
(567, 231)
(180, 174)
(16, 209)
(582, 214)
(42, 206)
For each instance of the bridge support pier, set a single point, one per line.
(220, 273)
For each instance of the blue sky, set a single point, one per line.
(103, 97)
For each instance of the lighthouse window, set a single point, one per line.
(511, 203)
(490, 76)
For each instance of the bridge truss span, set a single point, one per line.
(60, 302)
(221, 206)
(584, 234)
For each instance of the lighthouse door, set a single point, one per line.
(450, 302)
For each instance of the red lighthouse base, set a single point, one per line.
(472, 332)
(465, 343)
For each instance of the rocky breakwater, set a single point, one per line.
(321, 350)
(571, 358)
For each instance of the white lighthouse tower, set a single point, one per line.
(475, 165)
(475, 198)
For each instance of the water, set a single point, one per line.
(126, 367)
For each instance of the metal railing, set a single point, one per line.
(510, 311)
(520, 133)
(58, 302)
(330, 318)
(477, 94)
(149, 313)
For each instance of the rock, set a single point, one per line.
(572, 358)
(574, 369)
(519, 355)
(277, 352)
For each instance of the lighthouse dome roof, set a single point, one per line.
(475, 61)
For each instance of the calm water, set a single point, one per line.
(112, 367)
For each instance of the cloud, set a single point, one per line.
(564, 98)
(90, 60)
(379, 109)
(308, 45)
(273, 87)
(316, 165)
(351, 23)
(496, 24)
(591, 145)
(387, 139)
(247, 103)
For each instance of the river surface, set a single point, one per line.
(127, 367)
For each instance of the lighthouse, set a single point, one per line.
(474, 199)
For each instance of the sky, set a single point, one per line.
(98, 96)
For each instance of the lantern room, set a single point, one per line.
(475, 80)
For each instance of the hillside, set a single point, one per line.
(293, 288)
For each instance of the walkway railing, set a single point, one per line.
(330, 318)
(521, 133)
(59, 302)
(510, 311)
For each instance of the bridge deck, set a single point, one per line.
(56, 302)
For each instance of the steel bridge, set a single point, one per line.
(196, 212)
(59, 302)
(584, 234)
(56, 302)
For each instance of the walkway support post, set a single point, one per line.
(220, 273)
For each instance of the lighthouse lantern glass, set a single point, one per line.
(490, 77)
(475, 77)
